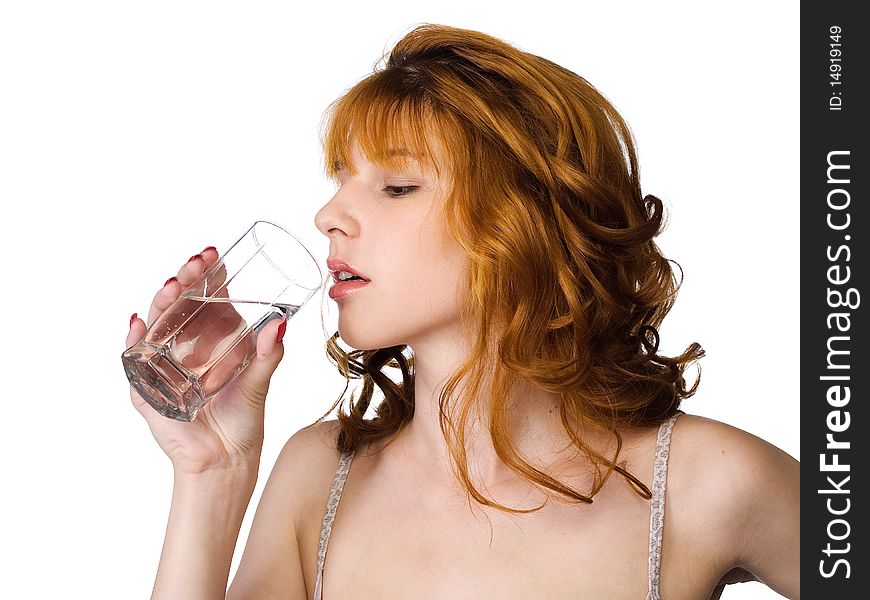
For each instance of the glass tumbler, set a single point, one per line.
(209, 335)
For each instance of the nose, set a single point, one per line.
(334, 218)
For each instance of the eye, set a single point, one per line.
(399, 190)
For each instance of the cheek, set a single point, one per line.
(442, 288)
(399, 312)
(418, 295)
(434, 287)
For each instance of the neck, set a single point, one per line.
(534, 424)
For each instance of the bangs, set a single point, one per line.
(393, 124)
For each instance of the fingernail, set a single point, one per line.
(133, 318)
(209, 248)
(170, 280)
(194, 257)
(281, 329)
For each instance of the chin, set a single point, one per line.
(369, 337)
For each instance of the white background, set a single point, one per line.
(132, 135)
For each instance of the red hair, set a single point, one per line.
(567, 288)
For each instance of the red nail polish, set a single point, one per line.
(133, 318)
(281, 329)
(209, 248)
(170, 280)
(194, 257)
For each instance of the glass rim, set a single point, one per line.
(252, 231)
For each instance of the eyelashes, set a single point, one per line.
(397, 191)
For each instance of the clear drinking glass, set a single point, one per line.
(209, 335)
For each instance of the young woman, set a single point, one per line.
(505, 296)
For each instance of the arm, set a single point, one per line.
(204, 522)
(293, 501)
(770, 536)
(215, 458)
(737, 499)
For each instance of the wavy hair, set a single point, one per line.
(567, 288)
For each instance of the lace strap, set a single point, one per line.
(329, 517)
(657, 505)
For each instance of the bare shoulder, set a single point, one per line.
(311, 447)
(740, 495)
(730, 462)
(727, 452)
(276, 559)
(305, 467)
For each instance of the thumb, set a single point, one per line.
(254, 380)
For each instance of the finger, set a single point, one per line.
(134, 335)
(187, 275)
(196, 264)
(164, 298)
(142, 407)
(216, 281)
(155, 420)
(254, 380)
(191, 270)
(216, 278)
(270, 338)
(209, 255)
(137, 330)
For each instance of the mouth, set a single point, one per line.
(342, 272)
(342, 276)
(347, 280)
(342, 288)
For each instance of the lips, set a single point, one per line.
(343, 288)
(336, 266)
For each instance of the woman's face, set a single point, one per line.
(386, 225)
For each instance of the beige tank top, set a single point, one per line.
(656, 519)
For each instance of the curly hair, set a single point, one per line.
(567, 288)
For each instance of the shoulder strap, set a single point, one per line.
(329, 517)
(657, 505)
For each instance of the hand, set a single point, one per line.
(227, 434)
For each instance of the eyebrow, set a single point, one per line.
(403, 152)
(338, 165)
